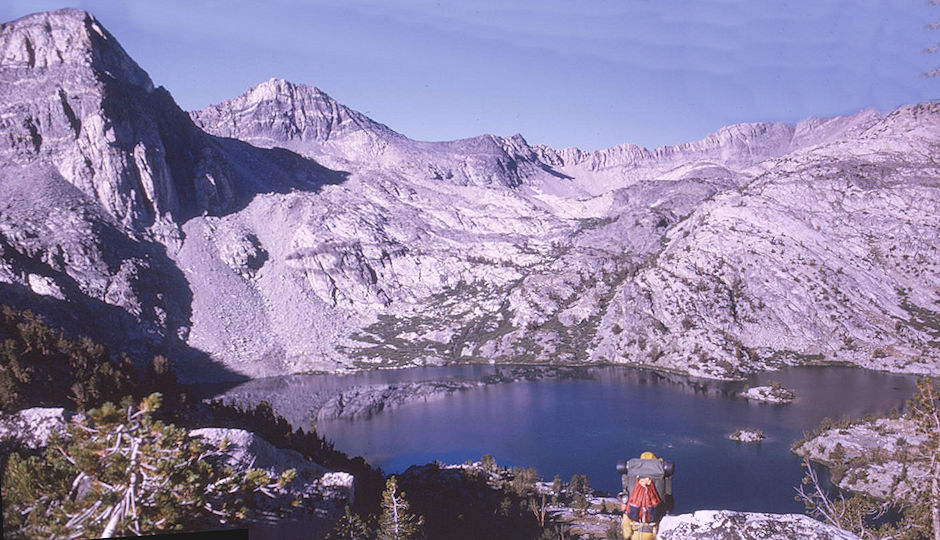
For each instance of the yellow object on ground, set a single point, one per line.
(634, 530)
(648, 455)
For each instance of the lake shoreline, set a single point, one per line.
(578, 419)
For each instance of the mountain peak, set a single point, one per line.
(69, 39)
(278, 110)
(277, 89)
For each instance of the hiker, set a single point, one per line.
(646, 495)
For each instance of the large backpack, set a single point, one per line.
(644, 504)
(654, 469)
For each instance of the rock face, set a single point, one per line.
(365, 402)
(99, 169)
(722, 524)
(282, 232)
(72, 96)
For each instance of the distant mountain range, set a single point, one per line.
(282, 232)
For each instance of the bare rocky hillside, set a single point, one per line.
(281, 232)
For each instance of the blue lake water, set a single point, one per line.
(585, 426)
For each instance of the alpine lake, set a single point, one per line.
(584, 420)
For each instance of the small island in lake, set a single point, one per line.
(773, 392)
(747, 435)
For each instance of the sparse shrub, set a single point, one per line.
(918, 508)
(580, 504)
(838, 454)
(464, 504)
(579, 484)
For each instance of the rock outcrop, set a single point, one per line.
(282, 232)
(871, 457)
(322, 493)
(721, 524)
(768, 394)
(365, 402)
(31, 428)
(747, 436)
(597, 516)
(99, 169)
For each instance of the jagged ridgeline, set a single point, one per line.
(281, 232)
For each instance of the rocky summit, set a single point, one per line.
(281, 232)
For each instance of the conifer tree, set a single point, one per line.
(523, 480)
(556, 489)
(119, 472)
(397, 522)
(580, 484)
(924, 409)
(350, 527)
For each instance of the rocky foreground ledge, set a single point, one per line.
(320, 493)
(723, 525)
(710, 525)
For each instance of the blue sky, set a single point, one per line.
(590, 74)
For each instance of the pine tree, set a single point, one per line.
(852, 514)
(39, 366)
(580, 484)
(350, 527)
(120, 472)
(924, 409)
(523, 480)
(397, 521)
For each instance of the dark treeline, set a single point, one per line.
(39, 366)
(461, 503)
